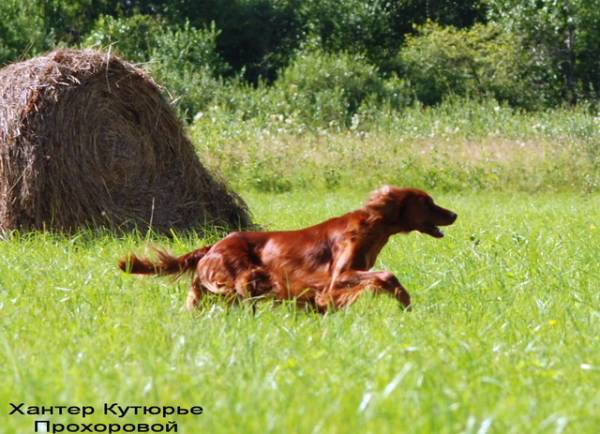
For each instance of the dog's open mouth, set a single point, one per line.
(433, 230)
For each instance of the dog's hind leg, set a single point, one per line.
(195, 294)
(253, 282)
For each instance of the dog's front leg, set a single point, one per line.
(341, 263)
(352, 283)
(390, 283)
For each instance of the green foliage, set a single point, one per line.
(187, 46)
(377, 29)
(183, 59)
(70, 20)
(134, 38)
(257, 37)
(563, 38)
(21, 30)
(457, 13)
(317, 90)
(325, 89)
(260, 36)
(535, 53)
(186, 62)
(479, 61)
(358, 26)
(587, 46)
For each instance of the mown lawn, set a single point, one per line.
(504, 336)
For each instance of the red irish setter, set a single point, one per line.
(326, 265)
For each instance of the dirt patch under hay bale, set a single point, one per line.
(87, 139)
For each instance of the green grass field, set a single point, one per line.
(504, 336)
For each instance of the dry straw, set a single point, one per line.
(87, 139)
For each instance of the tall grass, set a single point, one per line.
(458, 145)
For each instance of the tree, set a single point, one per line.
(21, 30)
(564, 38)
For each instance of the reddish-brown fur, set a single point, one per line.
(326, 265)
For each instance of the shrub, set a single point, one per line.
(356, 26)
(473, 62)
(183, 59)
(133, 38)
(328, 89)
(564, 39)
(21, 30)
(377, 28)
(257, 37)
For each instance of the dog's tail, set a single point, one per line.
(164, 264)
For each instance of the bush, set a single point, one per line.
(475, 62)
(377, 28)
(183, 59)
(187, 46)
(21, 30)
(356, 26)
(564, 39)
(257, 37)
(328, 89)
(68, 21)
(133, 38)
(186, 62)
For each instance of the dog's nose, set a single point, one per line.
(453, 216)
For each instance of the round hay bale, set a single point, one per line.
(87, 139)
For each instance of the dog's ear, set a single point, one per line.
(390, 203)
(379, 197)
(386, 189)
(383, 201)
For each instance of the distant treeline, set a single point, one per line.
(525, 53)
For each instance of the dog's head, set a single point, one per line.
(409, 209)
